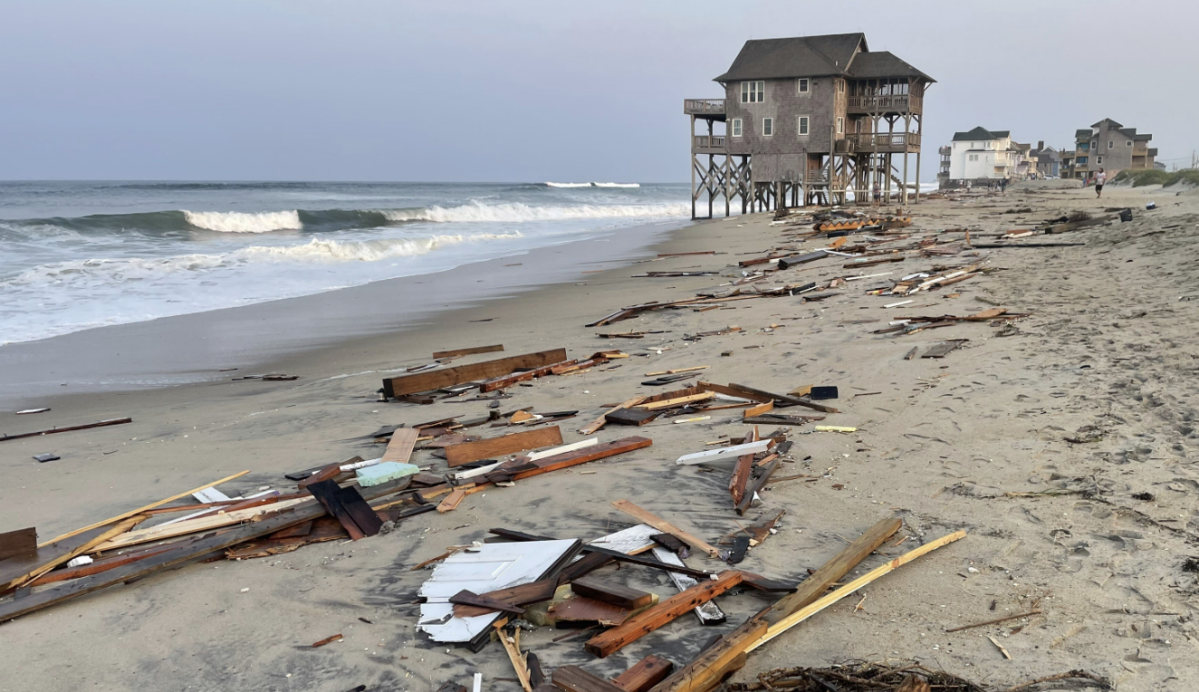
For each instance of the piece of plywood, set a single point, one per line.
(437, 379)
(458, 352)
(401, 444)
(457, 455)
(605, 643)
(21, 543)
(664, 526)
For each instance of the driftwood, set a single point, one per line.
(859, 676)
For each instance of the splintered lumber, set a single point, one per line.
(97, 566)
(579, 456)
(779, 419)
(665, 612)
(664, 526)
(737, 484)
(705, 670)
(644, 674)
(575, 679)
(399, 448)
(616, 594)
(21, 543)
(599, 422)
(724, 452)
(468, 351)
(448, 377)
(808, 611)
(739, 393)
(796, 401)
(466, 452)
(707, 613)
(202, 523)
(519, 664)
(451, 501)
(139, 510)
(756, 484)
(524, 376)
(51, 431)
(677, 402)
(326, 640)
(17, 572)
(208, 544)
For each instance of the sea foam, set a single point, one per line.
(243, 222)
(517, 212)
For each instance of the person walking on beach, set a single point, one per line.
(1100, 179)
(878, 194)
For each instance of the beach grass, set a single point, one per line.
(1140, 178)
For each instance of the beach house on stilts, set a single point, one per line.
(814, 118)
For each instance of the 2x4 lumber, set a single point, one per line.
(64, 553)
(680, 401)
(51, 431)
(139, 510)
(644, 674)
(208, 544)
(509, 380)
(401, 444)
(204, 523)
(468, 351)
(616, 594)
(647, 621)
(451, 501)
(582, 456)
(459, 454)
(664, 526)
(802, 614)
(437, 379)
(703, 672)
(599, 422)
(783, 398)
(758, 410)
(752, 395)
(707, 613)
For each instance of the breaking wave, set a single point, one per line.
(593, 185)
(617, 184)
(516, 212)
(243, 222)
(568, 184)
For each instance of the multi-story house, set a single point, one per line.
(1047, 161)
(981, 156)
(811, 118)
(1109, 145)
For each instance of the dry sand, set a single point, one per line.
(1109, 345)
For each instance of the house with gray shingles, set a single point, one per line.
(810, 119)
(1109, 145)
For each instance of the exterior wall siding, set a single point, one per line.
(783, 155)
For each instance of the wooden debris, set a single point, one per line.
(575, 679)
(999, 646)
(20, 544)
(677, 371)
(451, 502)
(664, 526)
(616, 594)
(326, 640)
(437, 379)
(519, 664)
(631, 416)
(485, 602)
(644, 674)
(944, 348)
(995, 621)
(599, 422)
(651, 405)
(52, 431)
(399, 448)
(724, 453)
(457, 455)
(467, 351)
(348, 507)
(665, 612)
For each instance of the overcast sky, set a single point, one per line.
(530, 91)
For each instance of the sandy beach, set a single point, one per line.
(1037, 437)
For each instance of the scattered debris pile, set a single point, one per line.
(860, 676)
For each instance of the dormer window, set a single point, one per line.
(804, 85)
(753, 92)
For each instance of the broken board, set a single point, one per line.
(437, 379)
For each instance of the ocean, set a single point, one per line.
(80, 255)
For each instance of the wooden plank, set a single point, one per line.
(401, 444)
(664, 526)
(577, 608)
(451, 501)
(670, 567)
(737, 484)
(944, 348)
(644, 674)
(707, 669)
(755, 485)
(522, 595)
(605, 643)
(52, 431)
(795, 401)
(469, 598)
(675, 403)
(740, 394)
(139, 510)
(630, 416)
(182, 553)
(616, 594)
(509, 380)
(326, 493)
(367, 519)
(708, 613)
(575, 679)
(583, 566)
(437, 379)
(512, 646)
(820, 604)
(20, 544)
(20, 572)
(758, 410)
(203, 523)
(724, 452)
(599, 422)
(457, 455)
(98, 566)
(831, 572)
(582, 456)
(468, 351)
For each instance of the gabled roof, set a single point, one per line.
(801, 56)
(1109, 121)
(980, 133)
(880, 64)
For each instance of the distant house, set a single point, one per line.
(981, 155)
(811, 118)
(1109, 145)
(1047, 161)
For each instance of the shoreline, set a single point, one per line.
(267, 336)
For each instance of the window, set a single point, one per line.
(736, 127)
(1099, 159)
(767, 127)
(753, 92)
(1128, 143)
(974, 157)
(840, 126)
(803, 126)
(1110, 144)
(841, 85)
(804, 85)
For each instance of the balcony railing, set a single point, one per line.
(708, 142)
(893, 102)
(703, 106)
(882, 141)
